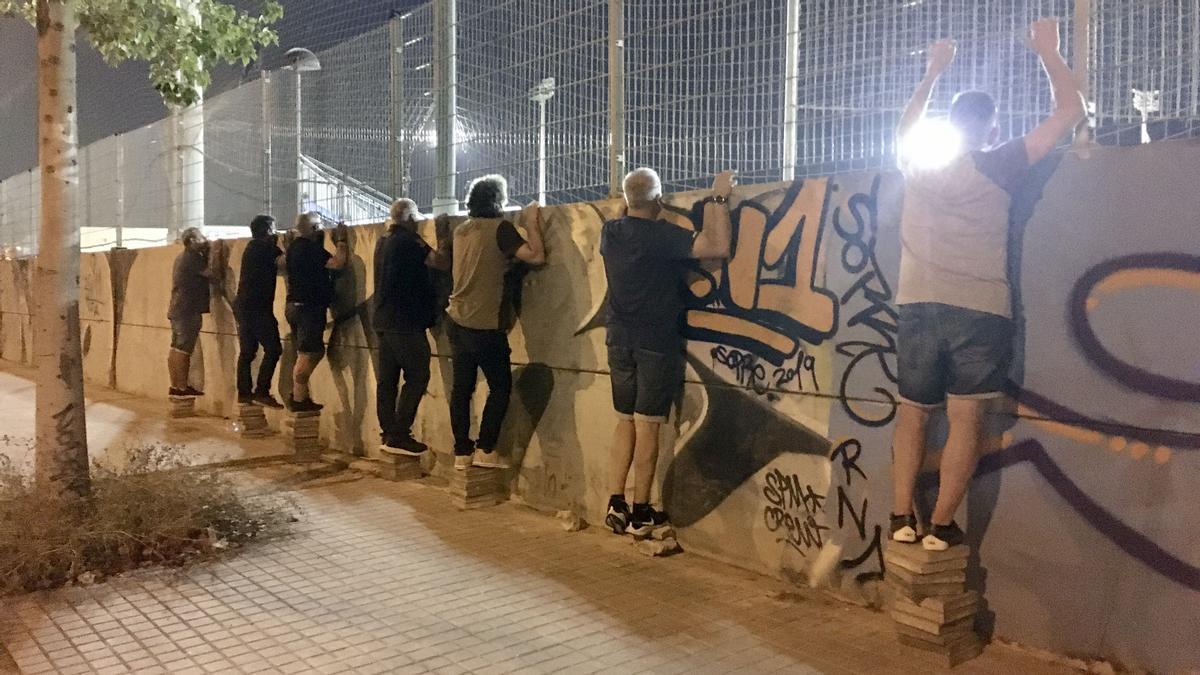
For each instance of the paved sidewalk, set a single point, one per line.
(117, 421)
(388, 577)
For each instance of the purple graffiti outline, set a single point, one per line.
(1103, 521)
(1126, 373)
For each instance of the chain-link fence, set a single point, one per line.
(773, 88)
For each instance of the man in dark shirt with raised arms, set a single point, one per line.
(309, 294)
(254, 310)
(189, 303)
(404, 309)
(954, 339)
(644, 260)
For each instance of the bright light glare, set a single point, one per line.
(931, 144)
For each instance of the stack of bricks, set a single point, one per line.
(401, 467)
(931, 607)
(183, 406)
(253, 420)
(474, 488)
(301, 432)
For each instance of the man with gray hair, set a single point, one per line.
(645, 260)
(405, 307)
(309, 294)
(189, 303)
(483, 248)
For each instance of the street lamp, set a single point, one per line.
(300, 60)
(540, 94)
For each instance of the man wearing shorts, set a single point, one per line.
(644, 261)
(189, 303)
(309, 294)
(254, 310)
(954, 344)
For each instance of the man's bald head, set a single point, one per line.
(643, 188)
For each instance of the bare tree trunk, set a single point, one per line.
(62, 457)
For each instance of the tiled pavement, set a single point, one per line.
(388, 577)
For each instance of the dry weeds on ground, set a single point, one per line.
(155, 510)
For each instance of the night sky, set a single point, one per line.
(115, 100)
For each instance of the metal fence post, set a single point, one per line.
(4, 224)
(396, 159)
(791, 89)
(445, 81)
(616, 96)
(268, 132)
(1082, 46)
(119, 179)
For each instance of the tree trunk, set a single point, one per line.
(61, 455)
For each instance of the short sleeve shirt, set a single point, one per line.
(257, 278)
(404, 298)
(309, 282)
(954, 230)
(189, 286)
(645, 262)
(483, 249)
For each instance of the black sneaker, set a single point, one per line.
(192, 391)
(245, 399)
(408, 446)
(645, 519)
(177, 393)
(618, 515)
(904, 528)
(307, 405)
(265, 400)
(942, 537)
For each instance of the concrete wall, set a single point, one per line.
(1083, 513)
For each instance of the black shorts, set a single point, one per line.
(185, 332)
(945, 351)
(308, 327)
(644, 383)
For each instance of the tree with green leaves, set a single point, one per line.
(180, 39)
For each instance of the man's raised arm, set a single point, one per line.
(714, 240)
(941, 54)
(1068, 100)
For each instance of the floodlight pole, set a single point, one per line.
(1082, 24)
(540, 94)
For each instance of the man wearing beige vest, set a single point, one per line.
(484, 247)
(954, 341)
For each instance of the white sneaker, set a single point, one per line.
(490, 459)
(462, 462)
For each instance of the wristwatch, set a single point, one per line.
(719, 199)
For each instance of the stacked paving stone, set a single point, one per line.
(931, 607)
(475, 488)
(182, 406)
(253, 420)
(401, 467)
(301, 432)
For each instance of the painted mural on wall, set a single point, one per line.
(1082, 514)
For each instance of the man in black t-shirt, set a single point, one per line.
(189, 303)
(404, 307)
(254, 309)
(644, 262)
(309, 294)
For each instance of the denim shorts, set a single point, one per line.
(951, 351)
(308, 327)
(185, 332)
(644, 383)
